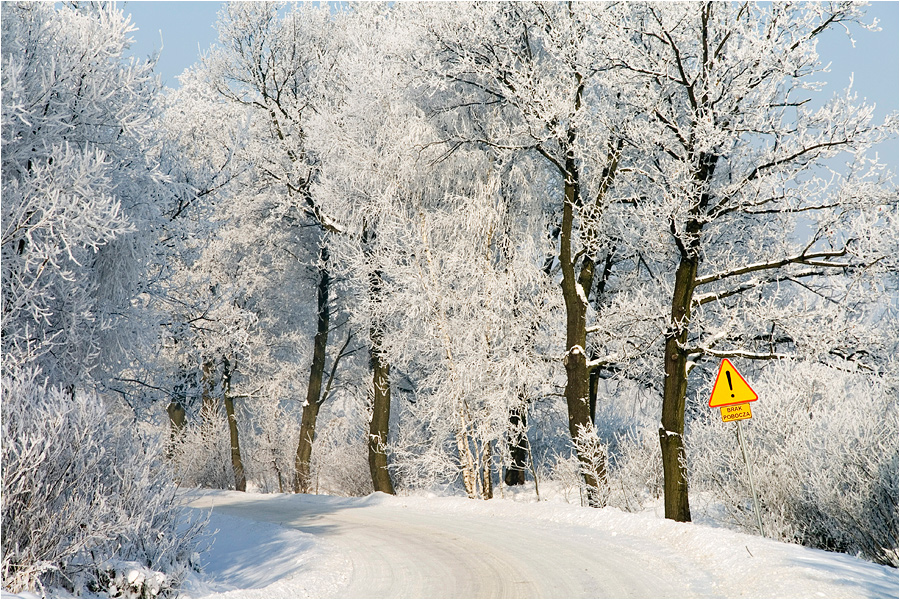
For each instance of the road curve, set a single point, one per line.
(393, 551)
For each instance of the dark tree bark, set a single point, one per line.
(593, 381)
(671, 432)
(518, 444)
(381, 416)
(381, 408)
(302, 462)
(316, 377)
(176, 413)
(240, 481)
(576, 285)
(381, 384)
(577, 378)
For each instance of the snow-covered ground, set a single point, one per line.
(290, 546)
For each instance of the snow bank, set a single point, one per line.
(253, 559)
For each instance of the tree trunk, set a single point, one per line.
(487, 473)
(240, 481)
(314, 388)
(302, 475)
(671, 432)
(208, 404)
(381, 416)
(466, 458)
(176, 424)
(593, 382)
(517, 442)
(381, 386)
(575, 288)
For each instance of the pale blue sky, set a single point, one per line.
(182, 29)
(185, 29)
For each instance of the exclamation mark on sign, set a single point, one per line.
(728, 375)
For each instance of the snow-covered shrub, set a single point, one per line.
(269, 444)
(340, 461)
(565, 474)
(593, 453)
(128, 579)
(85, 499)
(823, 445)
(201, 455)
(635, 470)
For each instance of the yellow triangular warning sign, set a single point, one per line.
(730, 387)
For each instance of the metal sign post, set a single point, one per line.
(732, 395)
(750, 477)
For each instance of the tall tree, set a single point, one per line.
(82, 194)
(429, 256)
(530, 80)
(379, 424)
(277, 68)
(205, 324)
(751, 221)
(316, 395)
(81, 223)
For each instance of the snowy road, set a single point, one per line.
(381, 547)
(399, 552)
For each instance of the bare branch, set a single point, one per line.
(341, 354)
(803, 258)
(702, 299)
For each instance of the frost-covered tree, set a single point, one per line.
(531, 82)
(269, 252)
(87, 506)
(761, 215)
(206, 337)
(364, 142)
(431, 263)
(82, 193)
(452, 326)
